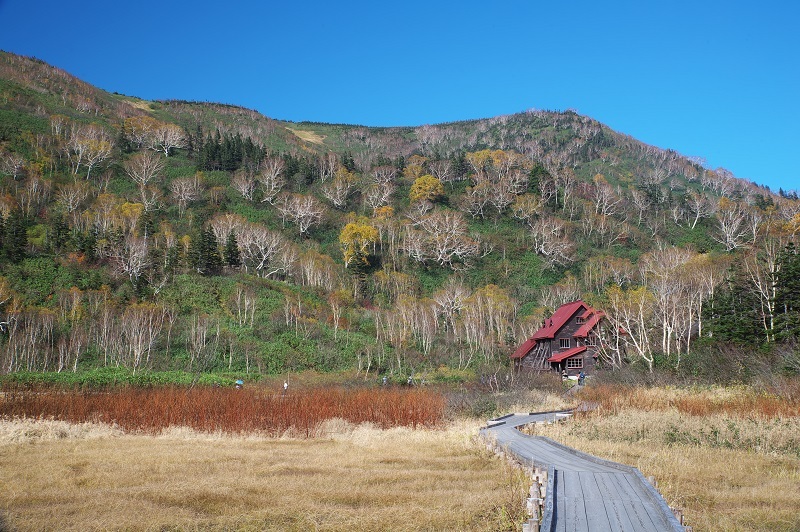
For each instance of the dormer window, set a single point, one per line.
(579, 320)
(563, 343)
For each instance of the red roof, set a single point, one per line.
(558, 357)
(587, 327)
(524, 349)
(558, 319)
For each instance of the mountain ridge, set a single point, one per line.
(29, 66)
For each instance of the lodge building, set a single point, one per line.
(569, 341)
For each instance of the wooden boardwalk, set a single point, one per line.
(583, 492)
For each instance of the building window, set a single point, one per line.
(579, 320)
(575, 363)
(591, 340)
(563, 343)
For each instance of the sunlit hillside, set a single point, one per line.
(198, 237)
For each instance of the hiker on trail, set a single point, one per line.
(581, 378)
(385, 380)
(285, 386)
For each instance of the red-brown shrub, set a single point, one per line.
(228, 410)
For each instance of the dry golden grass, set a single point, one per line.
(743, 401)
(779, 436)
(27, 431)
(730, 459)
(56, 476)
(308, 136)
(140, 104)
(537, 401)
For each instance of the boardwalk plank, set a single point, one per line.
(644, 508)
(609, 485)
(559, 484)
(617, 516)
(619, 484)
(590, 485)
(572, 484)
(641, 517)
(597, 520)
(574, 514)
(574, 505)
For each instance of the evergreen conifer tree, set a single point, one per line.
(232, 257)
(86, 243)
(787, 295)
(16, 237)
(459, 163)
(194, 255)
(204, 255)
(734, 313)
(213, 259)
(172, 260)
(146, 224)
(346, 160)
(57, 233)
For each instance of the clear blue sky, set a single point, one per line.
(709, 78)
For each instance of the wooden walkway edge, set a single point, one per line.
(583, 492)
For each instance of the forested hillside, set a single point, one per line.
(205, 237)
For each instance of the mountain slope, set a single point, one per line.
(245, 243)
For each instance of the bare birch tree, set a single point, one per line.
(71, 196)
(383, 175)
(243, 305)
(630, 312)
(700, 206)
(141, 325)
(441, 237)
(131, 258)
(224, 224)
(244, 184)
(167, 137)
(304, 211)
(88, 146)
(549, 239)
(340, 188)
(202, 341)
(376, 196)
(12, 164)
(270, 177)
(260, 248)
(144, 167)
(731, 222)
(185, 190)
